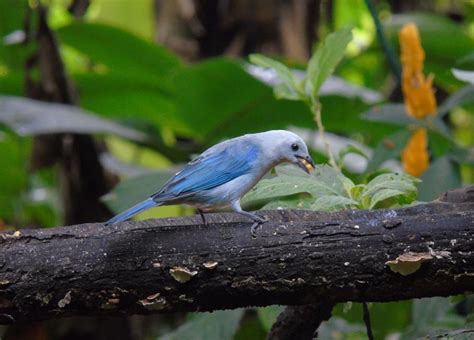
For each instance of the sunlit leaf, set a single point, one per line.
(119, 50)
(326, 58)
(290, 87)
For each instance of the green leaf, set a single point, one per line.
(219, 325)
(393, 181)
(119, 50)
(466, 76)
(290, 87)
(326, 58)
(135, 189)
(441, 176)
(140, 100)
(382, 195)
(463, 96)
(218, 99)
(284, 185)
(390, 186)
(28, 117)
(325, 183)
(331, 203)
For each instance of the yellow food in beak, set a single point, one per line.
(307, 165)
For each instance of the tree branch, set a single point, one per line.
(178, 264)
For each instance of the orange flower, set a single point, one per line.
(415, 157)
(417, 90)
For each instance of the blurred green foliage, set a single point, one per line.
(122, 75)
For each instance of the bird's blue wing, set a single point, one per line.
(208, 171)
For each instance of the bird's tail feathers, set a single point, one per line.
(138, 208)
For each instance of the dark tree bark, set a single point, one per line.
(83, 179)
(178, 264)
(197, 29)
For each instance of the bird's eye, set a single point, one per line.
(295, 147)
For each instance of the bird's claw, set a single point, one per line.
(258, 221)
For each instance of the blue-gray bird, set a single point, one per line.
(222, 174)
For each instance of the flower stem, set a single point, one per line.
(316, 108)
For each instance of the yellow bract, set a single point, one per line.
(417, 90)
(415, 157)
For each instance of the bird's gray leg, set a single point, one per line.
(258, 220)
(202, 216)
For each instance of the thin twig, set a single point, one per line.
(316, 108)
(368, 325)
(387, 48)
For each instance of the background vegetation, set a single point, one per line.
(161, 81)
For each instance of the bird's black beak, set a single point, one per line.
(305, 163)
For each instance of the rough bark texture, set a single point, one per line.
(298, 258)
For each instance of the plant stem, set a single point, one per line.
(316, 108)
(387, 48)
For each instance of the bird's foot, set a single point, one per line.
(258, 221)
(202, 216)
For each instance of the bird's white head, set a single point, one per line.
(285, 146)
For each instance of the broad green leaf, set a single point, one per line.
(395, 181)
(284, 185)
(326, 58)
(331, 203)
(119, 50)
(140, 100)
(219, 325)
(466, 76)
(218, 99)
(28, 117)
(290, 87)
(324, 181)
(441, 176)
(382, 195)
(135, 189)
